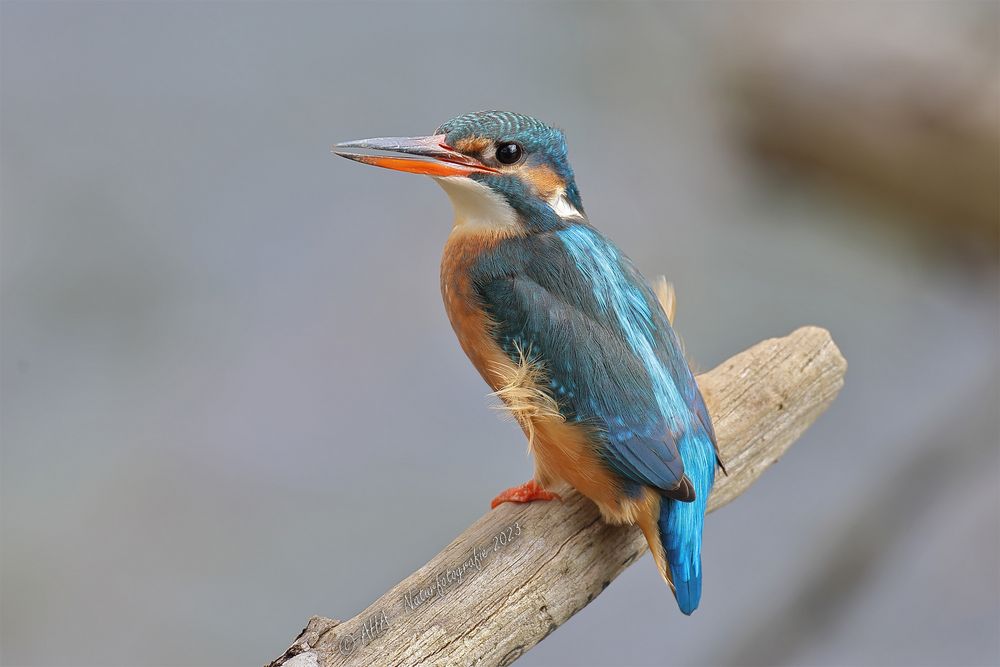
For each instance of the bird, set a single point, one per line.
(567, 332)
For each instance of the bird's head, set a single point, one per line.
(504, 172)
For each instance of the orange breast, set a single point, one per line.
(470, 322)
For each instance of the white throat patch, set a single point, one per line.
(477, 207)
(561, 204)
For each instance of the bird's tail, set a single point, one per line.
(673, 531)
(680, 526)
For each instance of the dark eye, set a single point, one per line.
(509, 153)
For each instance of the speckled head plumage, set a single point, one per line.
(521, 161)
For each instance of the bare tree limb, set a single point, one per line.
(521, 571)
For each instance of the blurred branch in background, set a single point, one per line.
(908, 116)
(563, 555)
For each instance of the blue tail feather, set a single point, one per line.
(680, 524)
(688, 594)
(680, 532)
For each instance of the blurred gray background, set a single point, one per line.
(232, 399)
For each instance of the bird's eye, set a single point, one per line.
(509, 153)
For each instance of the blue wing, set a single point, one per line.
(581, 308)
(593, 376)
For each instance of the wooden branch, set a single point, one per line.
(521, 571)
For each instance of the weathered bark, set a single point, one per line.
(521, 571)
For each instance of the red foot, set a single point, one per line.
(525, 493)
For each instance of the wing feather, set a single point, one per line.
(594, 378)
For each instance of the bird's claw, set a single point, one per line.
(526, 493)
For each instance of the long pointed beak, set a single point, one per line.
(417, 155)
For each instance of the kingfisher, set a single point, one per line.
(567, 333)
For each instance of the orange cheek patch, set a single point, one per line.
(472, 145)
(546, 181)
